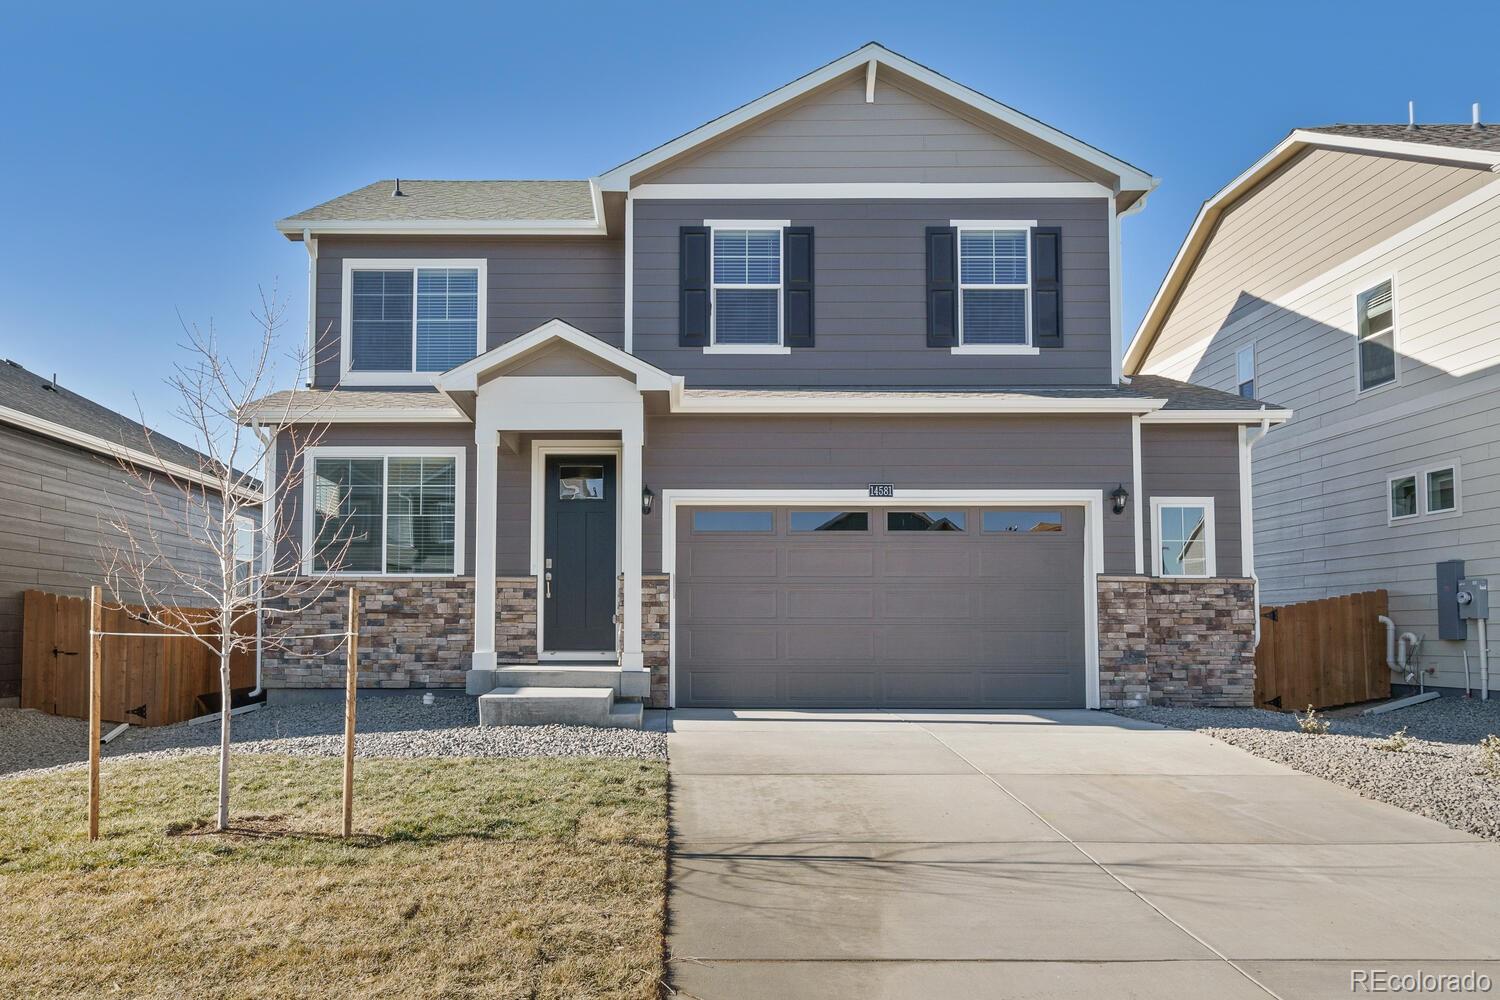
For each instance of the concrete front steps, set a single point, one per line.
(534, 694)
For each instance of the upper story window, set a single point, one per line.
(384, 511)
(1184, 531)
(407, 320)
(1244, 371)
(994, 286)
(1375, 316)
(747, 274)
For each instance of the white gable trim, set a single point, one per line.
(1130, 178)
(465, 378)
(1198, 233)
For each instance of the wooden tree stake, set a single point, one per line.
(351, 688)
(96, 702)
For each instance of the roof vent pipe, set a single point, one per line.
(1411, 116)
(1476, 123)
(396, 193)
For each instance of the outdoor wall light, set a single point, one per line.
(647, 499)
(1120, 496)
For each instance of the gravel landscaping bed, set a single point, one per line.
(1440, 774)
(388, 726)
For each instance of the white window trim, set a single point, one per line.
(460, 514)
(1417, 480)
(1239, 374)
(346, 317)
(1210, 536)
(714, 347)
(244, 528)
(1369, 285)
(1458, 500)
(1027, 225)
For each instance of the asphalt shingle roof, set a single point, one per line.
(1458, 136)
(36, 396)
(433, 201)
(302, 403)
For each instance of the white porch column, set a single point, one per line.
(632, 438)
(487, 473)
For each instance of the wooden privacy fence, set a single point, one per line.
(1322, 653)
(147, 681)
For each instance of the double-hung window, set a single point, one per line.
(1375, 318)
(407, 320)
(398, 513)
(994, 286)
(747, 276)
(1183, 528)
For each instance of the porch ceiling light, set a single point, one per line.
(1120, 496)
(647, 499)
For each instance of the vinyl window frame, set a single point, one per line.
(714, 347)
(1210, 537)
(1240, 381)
(1418, 479)
(460, 513)
(1366, 287)
(1424, 495)
(979, 225)
(347, 376)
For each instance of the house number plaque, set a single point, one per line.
(882, 490)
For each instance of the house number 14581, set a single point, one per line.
(882, 490)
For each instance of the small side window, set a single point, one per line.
(1244, 371)
(1376, 326)
(1403, 497)
(1442, 490)
(1184, 532)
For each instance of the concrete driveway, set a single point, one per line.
(1041, 855)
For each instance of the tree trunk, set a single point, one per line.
(225, 702)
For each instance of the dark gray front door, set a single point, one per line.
(951, 608)
(578, 596)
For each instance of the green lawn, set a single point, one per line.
(467, 878)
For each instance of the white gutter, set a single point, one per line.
(310, 242)
(1247, 512)
(268, 540)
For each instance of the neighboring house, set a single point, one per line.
(823, 395)
(67, 470)
(1353, 275)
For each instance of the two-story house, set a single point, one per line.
(1353, 274)
(818, 404)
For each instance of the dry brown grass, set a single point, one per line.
(469, 878)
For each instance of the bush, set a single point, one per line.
(1312, 723)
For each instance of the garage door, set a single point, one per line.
(960, 607)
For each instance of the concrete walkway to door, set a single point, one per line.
(1044, 855)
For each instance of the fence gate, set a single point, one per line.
(1322, 653)
(147, 681)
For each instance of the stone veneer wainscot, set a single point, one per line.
(1176, 642)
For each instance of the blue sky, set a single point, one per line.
(148, 148)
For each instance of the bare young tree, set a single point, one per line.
(213, 594)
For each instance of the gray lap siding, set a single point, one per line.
(870, 294)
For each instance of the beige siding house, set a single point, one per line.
(1353, 276)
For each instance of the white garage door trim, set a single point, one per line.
(1092, 502)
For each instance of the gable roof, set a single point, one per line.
(465, 377)
(1438, 143)
(444, 207)
(873, 55)
(1485, 137)
(41, 406)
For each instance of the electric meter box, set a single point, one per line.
(1450, 624)
(1474, 598)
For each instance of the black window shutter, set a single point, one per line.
(797, 286)
(1046, 286)
(692, 286)
(942, 286)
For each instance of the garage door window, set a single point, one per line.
(757, 521)
(830, 520)
(925, 520)
(1022, 521)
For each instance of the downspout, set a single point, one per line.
(310, 244)
(1247, 512)
(268, 542)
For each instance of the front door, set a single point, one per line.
(578, 588)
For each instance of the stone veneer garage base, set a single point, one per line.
(1162, 642)
(1176, 642)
